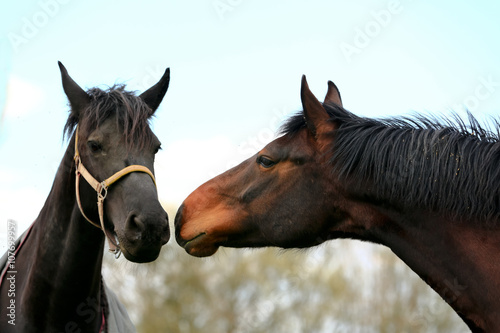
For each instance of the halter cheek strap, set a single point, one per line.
(102, 190)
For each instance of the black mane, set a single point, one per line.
(131, 112)
(449, 166)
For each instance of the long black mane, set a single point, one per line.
(132, 115)
(449, 166)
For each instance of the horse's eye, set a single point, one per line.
(94, 146)
(265, 162)
(157, 149)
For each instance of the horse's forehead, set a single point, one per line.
(106, 129)
(289, 145)
(112, 125)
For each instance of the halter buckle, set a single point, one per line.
(102, 191)
(117, 252)
(78, 161)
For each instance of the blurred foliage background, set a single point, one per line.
(341, 286)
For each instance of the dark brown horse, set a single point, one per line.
(426, 189)
(57, 280)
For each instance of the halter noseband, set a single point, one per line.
(102, 190)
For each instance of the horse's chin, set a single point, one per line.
(137, 253)
(200, 246)
(142, 257)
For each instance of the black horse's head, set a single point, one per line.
(113, 133)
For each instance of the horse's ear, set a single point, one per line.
(78, 98)
(333, 94)
(314, 113)
(154, 95)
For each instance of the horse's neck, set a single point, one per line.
(63, 229)
(457, 259)
(64, 253)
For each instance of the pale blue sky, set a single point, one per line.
(235, 74)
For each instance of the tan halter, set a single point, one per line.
(102, 190)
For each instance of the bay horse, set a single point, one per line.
(57, 284)
(428, 189)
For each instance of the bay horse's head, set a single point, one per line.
(114, 151)
(274, 198)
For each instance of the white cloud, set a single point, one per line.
(22, 97)
(20, 204)
(184, 165)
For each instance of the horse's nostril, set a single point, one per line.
(135, 225)
(141, 227)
